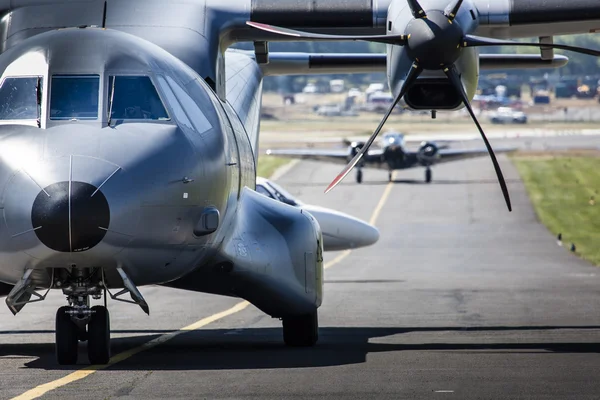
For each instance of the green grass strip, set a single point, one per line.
(267, 165)
(565, 193)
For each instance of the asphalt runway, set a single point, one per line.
(459, 299)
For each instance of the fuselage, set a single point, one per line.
(93, 176)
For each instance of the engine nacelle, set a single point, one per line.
(433, 90)
(428, 154)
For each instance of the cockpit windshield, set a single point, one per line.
(134, 97)
(18, 98)
(74, 97)
(393, 138)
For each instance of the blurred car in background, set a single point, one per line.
(329, 110)
(506, 115)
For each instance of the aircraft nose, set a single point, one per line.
(68, 204)
(70, 216)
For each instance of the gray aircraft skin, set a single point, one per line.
(128, 139)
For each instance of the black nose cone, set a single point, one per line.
(70, 217)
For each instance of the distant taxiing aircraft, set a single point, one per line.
(391, 154)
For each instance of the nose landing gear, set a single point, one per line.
(78, 322)
(71, 329)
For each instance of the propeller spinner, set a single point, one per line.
(433, 41)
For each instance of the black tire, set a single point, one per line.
(301, 331)
(99, 336)
(428, 175)
(359, 176)
(67, 338)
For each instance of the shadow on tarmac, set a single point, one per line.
(263, 348)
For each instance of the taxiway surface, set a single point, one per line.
(459, 299)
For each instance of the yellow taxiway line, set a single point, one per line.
(41, 390)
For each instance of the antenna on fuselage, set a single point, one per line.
(38, 100)
(112, 95)
(104, 16)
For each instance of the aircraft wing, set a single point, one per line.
(447, 154)
(340, 156)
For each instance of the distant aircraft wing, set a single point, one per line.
(449, 154)
(340, 156)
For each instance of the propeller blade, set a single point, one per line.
(455, 79)
(416, 9)
(411, 77)
(473, 41)
(452, 9)
(399, 40)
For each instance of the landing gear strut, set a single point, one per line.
(390, 176)
(301, 331)
(359, 175)
(428, 175)
(78, 322)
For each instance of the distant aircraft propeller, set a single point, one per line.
(428, 52)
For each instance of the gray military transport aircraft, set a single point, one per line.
(129, 134)
(391, 155)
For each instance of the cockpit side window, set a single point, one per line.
(19, 98)
(74, 97)
(134, 97)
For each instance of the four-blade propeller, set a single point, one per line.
(434, 42)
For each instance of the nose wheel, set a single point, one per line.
(67, 337)
(428, 175)
(98, 342)
(69, 332)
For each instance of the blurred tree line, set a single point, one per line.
(579, 64)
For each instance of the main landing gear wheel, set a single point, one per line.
(358, 176)
(390, 176)
(99, 336)
(67, 337)
(301, 331)
(428, 175)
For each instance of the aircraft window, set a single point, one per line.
(261, 189)
(173, 102)
(18, 98)
(134, 97)
(74, 97)
(190, 107)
